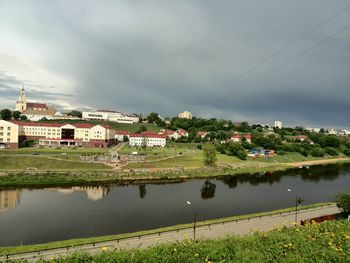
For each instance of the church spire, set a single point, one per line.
(21, 104)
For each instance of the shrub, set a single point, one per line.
(347, 152)
(317, 152)
(331, 151)
(342, 200)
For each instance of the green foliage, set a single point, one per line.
(125, 138)
(331, 151)
(327, 242)
(75, 113)
(342, 200)
(232, 149)
(23, 117)
(317, 152)
(142, 128)
(209, 154)
(16, 115)
(5, 114)
(347, 152)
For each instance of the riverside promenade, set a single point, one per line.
(208, 231)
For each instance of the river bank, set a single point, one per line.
(48, 178)
(70, 244)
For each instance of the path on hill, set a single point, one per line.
(239, 227)
(316, 162)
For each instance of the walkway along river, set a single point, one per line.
(30, 216)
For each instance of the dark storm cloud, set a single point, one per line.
(169, 56)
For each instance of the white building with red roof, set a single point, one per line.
(53, 134)
(236, 137)
(148, 139)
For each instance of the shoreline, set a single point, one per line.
(71, 243)
(13, 179)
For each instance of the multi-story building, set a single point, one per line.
(107, 115)
(185, 115)
(119, 135)
(278, 124)
(56, 134)
(8, 135)
(147, 139)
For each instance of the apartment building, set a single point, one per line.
(147, 139)
(8, 135)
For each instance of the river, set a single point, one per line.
(30, 216)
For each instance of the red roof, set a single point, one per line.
(38, 124)
(202, 133)
(121, 132)
(237, 136)
(83, 125)
(36, 105)
(248, 136)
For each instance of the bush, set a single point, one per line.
(342, 200)
(347, 152)
(331, 151)
(317, 152)
(199, 146)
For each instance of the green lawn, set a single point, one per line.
(289, 157)
(193, 159)
(70, 151)
(17, 163)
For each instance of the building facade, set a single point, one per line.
(8, 135)
(185, 115)
(147, 139)
(278, 124)
(106, 115)
(60, 134)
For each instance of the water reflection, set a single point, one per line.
(312, 174)
(142, 190)
(208, 190)
(93, 193)
(9, 199)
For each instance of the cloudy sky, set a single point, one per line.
(241, 60)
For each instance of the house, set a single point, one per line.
(202, 134)
(147, 139)
(237, 138)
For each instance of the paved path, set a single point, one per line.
(239, 227)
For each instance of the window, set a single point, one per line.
(8, 140)
(9, 128)
(8, 134)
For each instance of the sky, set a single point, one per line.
(255, 61)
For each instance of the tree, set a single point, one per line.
(209, 153)
(23, 118)
(153, 117)
(16, 115)
(125, 138)
(342, 200)
(75, 113)
(6, 114)
(142, 128)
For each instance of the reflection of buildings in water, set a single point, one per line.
(9, 199)
(93, 193)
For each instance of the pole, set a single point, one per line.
(296, 209)
(194, 226)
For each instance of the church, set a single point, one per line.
(33, 110)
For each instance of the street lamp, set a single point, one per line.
(296, 204)
(194, 221)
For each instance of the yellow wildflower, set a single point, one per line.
(104, 248)
(196, 255)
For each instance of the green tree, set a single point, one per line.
(142, 128)
(75, 113)
(16, 115)
(23, 118)
(6, 114)
(342, 200)
(153, 117)
(209, 153)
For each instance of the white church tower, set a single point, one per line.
(21, 104)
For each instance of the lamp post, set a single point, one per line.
(194, 221)
(296, 204)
